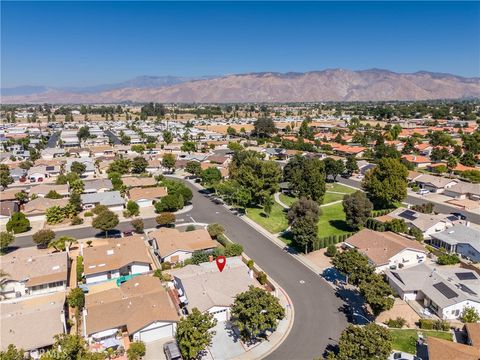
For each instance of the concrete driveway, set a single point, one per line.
(154, 349)
(226, 343)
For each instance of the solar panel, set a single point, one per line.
(467, 289)
(445, 290)
(466, 276)
(50, 168)
(408, 214)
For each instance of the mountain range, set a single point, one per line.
(326, 85)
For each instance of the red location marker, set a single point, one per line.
(221, 262)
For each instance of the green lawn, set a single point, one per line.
(339, 188)
(287, 200)
(275, 223)
(404, 340)
(332, 221)
(331, 197)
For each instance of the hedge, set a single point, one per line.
(324, 242)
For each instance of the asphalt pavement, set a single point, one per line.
(53, 139)
(318, 316)
(114, 138)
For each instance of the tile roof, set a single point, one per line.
(150, 193)
(134, 181)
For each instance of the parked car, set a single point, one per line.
(423, 192)
(171, 350)
(459, 215)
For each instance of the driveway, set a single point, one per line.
(154, 349)
(226, 343)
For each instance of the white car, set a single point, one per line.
(423, 192)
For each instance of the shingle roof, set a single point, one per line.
(135, 304)
(460, 234)
(109, 198)
(439, 349)
(151, 193)
(134, 181)
(115, 254)
(40, 205)
(171, 240)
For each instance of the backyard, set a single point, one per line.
(404, 340)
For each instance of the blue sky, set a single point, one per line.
(89, 43)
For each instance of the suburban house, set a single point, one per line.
(428, 224)
(80, 152)
(97, 186)
(36, 209)
(387, 250)
(147, 196)
(44, 189)
(140, 308)
(441, 349)
(460, 239)
(7, 208)
(119, 257)
(175, 246)
(434, 184)
(52, 153)
(134, 181)
(41, 172)
(424, 149)
(89, 165)
(31, 324)
(441, 290)
(207, 289)
(464, 190)
(154, 165)
(111, 199)
(33, 272)
(348, 150)
(417, 160)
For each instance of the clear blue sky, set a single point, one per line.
(89, 43)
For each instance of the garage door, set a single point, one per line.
(220, 315)
(156, 333)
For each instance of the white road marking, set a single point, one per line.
(302, 281)
(193, 220)
(180, 220)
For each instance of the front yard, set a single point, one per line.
(405, 340)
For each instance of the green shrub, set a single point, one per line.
(331, 251)
(199, 257)
(88, 214)
(76, 220)
(250, 264)
(158, 273)
(166, 265)
(262, 278)
(190, 228)
(233, 249)
(426, 324)
(18, 223)
(448, 259)
(79, 269)
(398, 323)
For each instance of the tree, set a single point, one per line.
(83, 133)
(211, 176)
(6, 239)
(167, 137)
(451, 163)
(386, 183)
(54, 215)
(264, 127)
(165, 218)
(231, 131)
(169, 203)
(357, 209)
(377, 293)
(138, 225)
(303, 208)
(267, 206)
(306, 177)
(136, 350)
(120, 166)
(354, 265)
(235, 146)
(106, 220)
(62, 243)
(21, 197)
(76, 298)
(371, 341)
(255, 311)
(193, 333)
(397, 225)
(351, 165)
(77, 186)
(52, 194)
(139, 164)
(43, 237)
(168, 161)
(5, 178)
(331, 250)
(138, 148)
(193, 167)
(215, 230)
(333, 167)
(78, 167)
(70, 347)
(18, 223)
(12, 353)
(132, 208)
(468, 159)
(304, 232)
(470, 315)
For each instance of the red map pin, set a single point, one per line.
(221, 262)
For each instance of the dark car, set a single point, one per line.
(171, 350)
(459, 215)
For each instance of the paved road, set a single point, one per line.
(446, 209)
(53, 139)
(114, 138)
(318, 321)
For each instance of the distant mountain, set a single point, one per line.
(327, 85)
